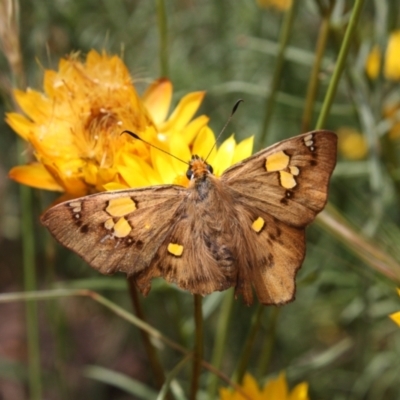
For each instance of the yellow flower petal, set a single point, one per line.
(299, 392)
(184, 112)
(65, 173)
(250, 386)
(133, 176)
(34, 104)
(224, 156)
(203, 144)
(166, 168)
(90, 174)
(157, 99)
(179, 149)
(276, 388)
(137, 165)
(392, 58)
(225, 394)
(20, 124)
(243, 150)
(395, 317)
(193, 128)
(35, 175)
(114, 186)
(181, 180)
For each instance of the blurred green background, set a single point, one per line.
(337, 335)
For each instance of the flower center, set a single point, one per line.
(101, 134)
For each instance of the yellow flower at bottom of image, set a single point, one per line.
(74, 128)
(274, 389)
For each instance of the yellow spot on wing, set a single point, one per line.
(258, 224)
(287, 180)
(74, 204)
(175, 249)
(121, 206)
(277, 161)
(109, 224)
(309, 143)
(294, 170)
(122, 228)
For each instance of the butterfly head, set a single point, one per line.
(198, 168)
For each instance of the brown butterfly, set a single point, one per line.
(244, 229)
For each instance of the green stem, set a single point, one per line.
(163, 34)
(314, 78)
(246, 352)
(150, 350)
(286, 30)
(29, 272)
(367, 250)
(340, 64)
(220, 341)
(198, 347)
(269, 342)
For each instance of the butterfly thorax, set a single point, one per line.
(198, 169)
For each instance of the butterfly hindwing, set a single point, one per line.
(289, 180)
(271, 252)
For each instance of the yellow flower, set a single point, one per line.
(274, 389)
(396, 316)
(171, 170)
(391, 68)
(352, 144)
(373, 63)
(392, 59)
(75, 127)
(281, 5)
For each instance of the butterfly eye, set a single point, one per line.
(189, 174)
(210, 168)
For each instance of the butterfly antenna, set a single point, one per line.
(235, 107)
(152, 145)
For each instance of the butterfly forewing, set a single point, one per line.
(290, 179)
(116, 231)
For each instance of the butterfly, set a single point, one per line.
(243, 229)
